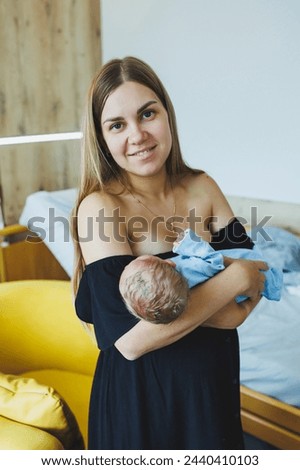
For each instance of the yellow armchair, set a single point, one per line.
(42, 339)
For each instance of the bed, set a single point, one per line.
(269, 339)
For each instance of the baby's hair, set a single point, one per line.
(156, 292)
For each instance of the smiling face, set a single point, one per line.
(136, 129)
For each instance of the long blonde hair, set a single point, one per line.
(97, 166)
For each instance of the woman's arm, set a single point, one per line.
(233, 314)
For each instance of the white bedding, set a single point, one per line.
(48, 214)
(270, 337)
(270, 347)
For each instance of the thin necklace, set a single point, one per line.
(169, 224)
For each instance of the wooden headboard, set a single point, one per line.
(282, 214)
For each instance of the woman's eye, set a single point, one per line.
(148, 114)
(116, 126)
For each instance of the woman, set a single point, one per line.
(156, 386)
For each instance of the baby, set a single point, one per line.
(157, 289)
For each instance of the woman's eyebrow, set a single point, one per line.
(113, 119)
(140, 110)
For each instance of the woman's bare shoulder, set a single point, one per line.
(95, 201)
(199, 183)
(102, 231)
(204, 189)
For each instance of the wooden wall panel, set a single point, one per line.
(49, 51)
(34, 167)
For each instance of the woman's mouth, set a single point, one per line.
(143, 152)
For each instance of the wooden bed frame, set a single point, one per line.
(20, 259)
(270, 420)
(263, 417)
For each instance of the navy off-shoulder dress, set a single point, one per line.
(182, 396)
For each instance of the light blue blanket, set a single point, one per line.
(197, 261)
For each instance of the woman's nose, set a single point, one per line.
(137, 135)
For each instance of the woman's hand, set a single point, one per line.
(252, 276)
(252, 281)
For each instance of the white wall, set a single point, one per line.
(232, 69)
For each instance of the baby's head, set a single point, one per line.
(153, 290)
